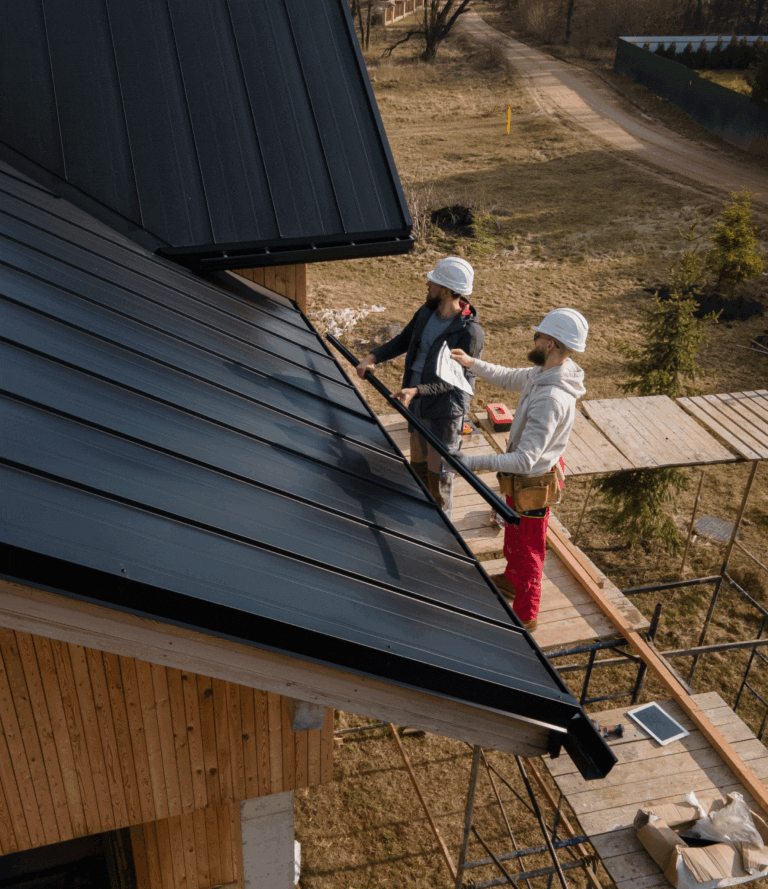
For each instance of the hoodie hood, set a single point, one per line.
(567, 376)
(467, 308)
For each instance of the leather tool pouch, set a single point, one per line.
(532, 492)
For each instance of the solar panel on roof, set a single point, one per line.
(154, 462)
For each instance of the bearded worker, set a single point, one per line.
(445, 318)
(531, 472)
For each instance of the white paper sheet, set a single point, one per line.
(451, 371)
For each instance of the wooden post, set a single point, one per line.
(432, 823)
(468, 812)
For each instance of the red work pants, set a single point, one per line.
(525, 546)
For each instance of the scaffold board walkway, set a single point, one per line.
(648, 774)
(652, 431)
(569, 615)
(739, 418)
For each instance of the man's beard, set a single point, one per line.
(537, 356)
(432, 302)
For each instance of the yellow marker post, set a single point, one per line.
(509, 116)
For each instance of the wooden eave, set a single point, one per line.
(83, 623)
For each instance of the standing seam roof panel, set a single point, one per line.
(224, 133)
(196, 299)
(204, 496)
(25, 70)
(89, 104)
(241, 410)
(291, 149)
(249, 588)
(132, 415)
(236, 190)
(157, 117)
(344, 150)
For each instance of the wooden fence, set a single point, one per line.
(394, 10)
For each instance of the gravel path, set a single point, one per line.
(563, 92)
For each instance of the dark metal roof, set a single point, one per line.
(229, 133)
(188, 449)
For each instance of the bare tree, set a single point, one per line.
(439, 17)
(357, 7)
(737, 16)
(568, 19)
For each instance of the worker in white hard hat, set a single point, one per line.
(531, 472)
(446, 317)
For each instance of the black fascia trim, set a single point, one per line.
(66, 578)
(284, 245)
(204, 259)
(589, 751)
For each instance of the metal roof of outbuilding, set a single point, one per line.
(192, 452)
(227, 133)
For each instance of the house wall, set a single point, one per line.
(92, 741)
(198, 850)
(287, 280)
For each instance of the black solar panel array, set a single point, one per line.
(236, 132)
(192, 452)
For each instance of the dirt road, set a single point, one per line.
(564, 92)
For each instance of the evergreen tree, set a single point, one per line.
(687, 56)
(701, 57)
(665, 364)
(734, 256)
(758, 80)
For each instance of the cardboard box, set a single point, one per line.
(705, 867)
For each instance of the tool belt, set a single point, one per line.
(533, 491)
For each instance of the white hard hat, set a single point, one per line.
(454, 273)
(567, 326)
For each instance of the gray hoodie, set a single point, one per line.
(543, 418)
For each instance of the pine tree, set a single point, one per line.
(665, 364)
(734, 256)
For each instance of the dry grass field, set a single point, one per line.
(560, 221)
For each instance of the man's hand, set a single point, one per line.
(461, 356)
(366, 364)
(406, 396)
